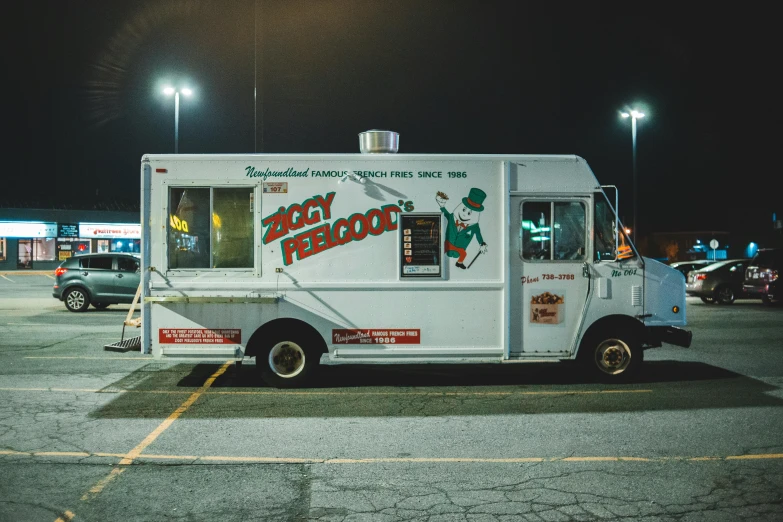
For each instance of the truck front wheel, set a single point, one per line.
(612, 356)
(288, 361)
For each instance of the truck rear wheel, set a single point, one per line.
(288, 360)
(612, 356)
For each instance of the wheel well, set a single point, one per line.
(79, 286)
(272, 328)
(613, 323)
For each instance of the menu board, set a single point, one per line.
(420, 245)
(67, 230)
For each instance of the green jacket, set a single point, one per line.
(460, 238)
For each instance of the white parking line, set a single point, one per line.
(4, 277)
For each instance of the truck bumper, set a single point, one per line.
(669, 335)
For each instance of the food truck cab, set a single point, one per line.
(298, 260)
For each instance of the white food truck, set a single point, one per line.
(298, 260)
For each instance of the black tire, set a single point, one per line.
(289, 359)
(77, 299)
(101, 306)
(708, 300)
(611, 355)
(724, 295)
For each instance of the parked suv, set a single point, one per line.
(762, 278)
(97, 279)
(720, 282)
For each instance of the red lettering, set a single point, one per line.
(326, 204)
(295, 211)
(388, 210)
(289, 247)
(360, 234)
(373, 214)
(341, 237)
(318, 239)
(311, 218)
(305, 247)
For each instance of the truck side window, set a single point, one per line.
(569, 231)
(536, 229)
(188, 227)
(210, 227)
(558, 238)
(232, 228)
(604, 233)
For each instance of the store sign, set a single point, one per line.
(109, 231)
(67, 230)
(27, 229)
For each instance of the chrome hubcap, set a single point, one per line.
(613, 356)
(287, 359)
(75, 299)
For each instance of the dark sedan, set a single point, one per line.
(687, 266)
(719, 282)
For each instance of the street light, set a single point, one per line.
(634, 115)
(168, 91)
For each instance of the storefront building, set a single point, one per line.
(42, 244)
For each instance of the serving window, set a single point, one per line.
(210, 227)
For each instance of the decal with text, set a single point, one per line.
(199, 336)
(376, 336)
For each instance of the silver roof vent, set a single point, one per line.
(379, 141)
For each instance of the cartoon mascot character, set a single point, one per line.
(463, 224)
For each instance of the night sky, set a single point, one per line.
(83, 104)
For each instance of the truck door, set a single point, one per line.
(549, 284)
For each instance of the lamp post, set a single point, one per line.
(168, 91)
(634, 115)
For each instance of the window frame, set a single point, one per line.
(254, 269)
(585, 201)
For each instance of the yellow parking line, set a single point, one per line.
(762, 456)
(66, 517)
(149, 439)
(47, 275)
(123, 457)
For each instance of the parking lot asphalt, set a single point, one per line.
(88, 434)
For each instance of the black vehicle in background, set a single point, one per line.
(100, 279)
(687, 266)
(719, 282)
(762, 278)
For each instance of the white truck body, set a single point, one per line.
(369, 251)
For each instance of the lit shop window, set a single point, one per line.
(210, 227)
(2, 248)
(44, 249)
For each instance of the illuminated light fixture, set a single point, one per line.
(168, 91)
(675, 309)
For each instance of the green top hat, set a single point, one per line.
(475, 199)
